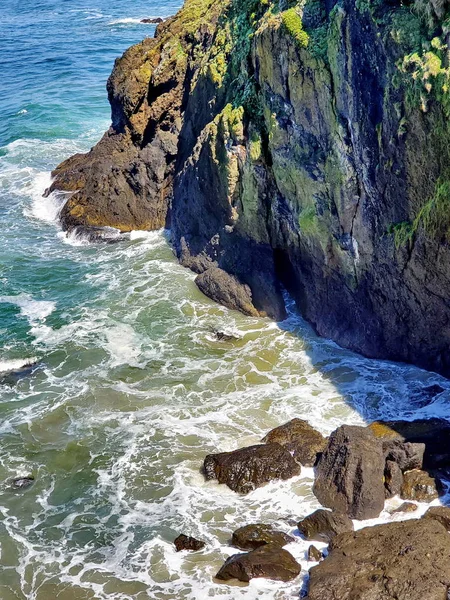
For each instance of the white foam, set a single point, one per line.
(34, 310)
(127, 21)
(7, 366)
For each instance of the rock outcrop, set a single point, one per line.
(350, 473)
(302, 144)
(267, 561)
(246, 469)
(300, 438)
(409, 560)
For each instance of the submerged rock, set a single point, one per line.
(407, 560)
(323, 525)
(418, 485)
(300, 438)
(251, 537)
(185, 542)
(22, 483)
(245, 469)
(267, 561)
(350, 473)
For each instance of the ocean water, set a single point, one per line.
(126, 387)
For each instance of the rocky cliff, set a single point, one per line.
(296, 144)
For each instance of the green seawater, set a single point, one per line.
(127, 386)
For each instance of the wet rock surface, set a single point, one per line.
(405, 507)
(393, 479)
(251, 537)
(300, 438)
(350, 473)
(218, 285)
(267, 561)
(323, 525)
(409, 560)
(246, 469)
(418, 485)
(313, 554)
(186, 542)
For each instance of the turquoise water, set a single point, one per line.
(129, 387)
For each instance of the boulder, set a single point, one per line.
(267, 561)
(393, 479)
(323, 525)
(439, 513)
(248, 468)
(418, 485)
(408, 560)
(434, 433)
(407, 455)
(305, 442)
(226, 289)
(350, 473)
(251, 537)
(313, 554)
(153, 20)
(185, 542)
(405, 507)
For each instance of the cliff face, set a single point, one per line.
(303, 144)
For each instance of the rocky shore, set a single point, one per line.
(400, 560)
(300, 145)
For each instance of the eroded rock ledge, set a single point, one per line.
(295, 143)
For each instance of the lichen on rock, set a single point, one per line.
(297, 144)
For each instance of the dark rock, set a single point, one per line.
(418, 485)
(218, 285)
(439, 513)
(434, 433)
(323, 525)
(153, 20)
(221, 336)
(297, 436)
(185, 542)
(314, 554)
(408, 560)
(251, 537)
(12, 376)
(248, 468)
(95, 235)
(350, 473)
(22, 483)
(406, 507)
(393, 479)
(408, 456)
(267, 561)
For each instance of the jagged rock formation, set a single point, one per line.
(296, 143)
